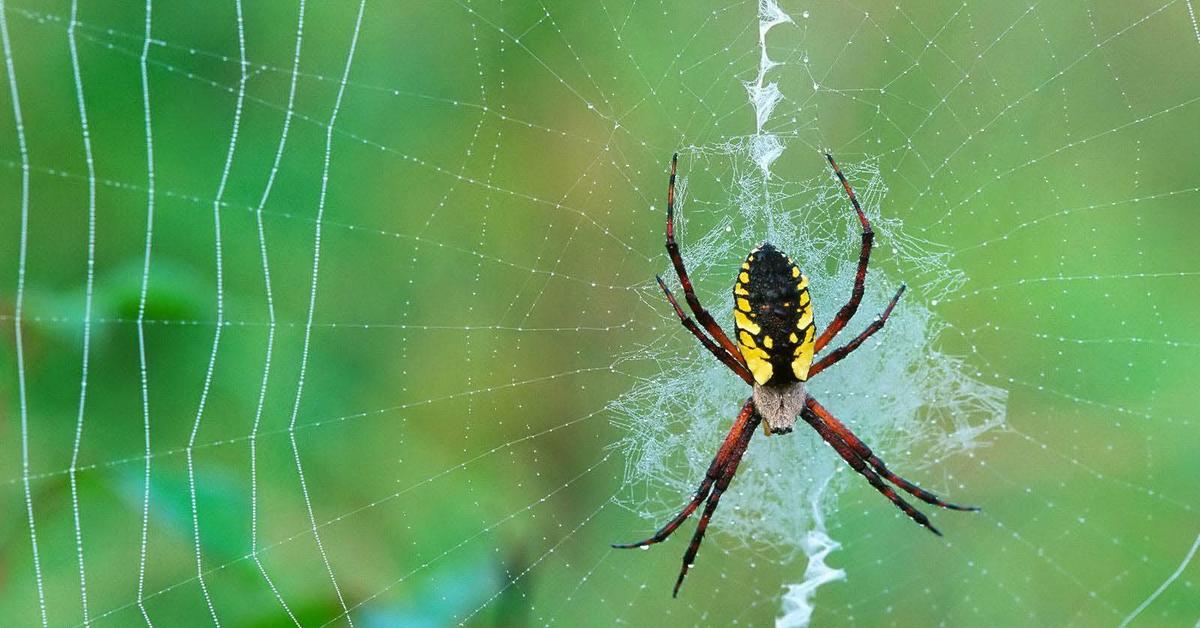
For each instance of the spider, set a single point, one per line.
(777, 342)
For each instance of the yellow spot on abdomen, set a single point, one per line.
(758, 363)
(743, 322)
(806, 319)
(802, 355)
(743, 305)
(803, 361)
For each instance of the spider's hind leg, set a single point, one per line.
(860, 277)
(835, 356)
(720, 353)
(689, 293)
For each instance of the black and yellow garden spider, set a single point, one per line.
(774, 354)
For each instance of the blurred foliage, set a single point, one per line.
(492, 226)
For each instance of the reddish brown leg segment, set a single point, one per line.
(835, 356)
(860, 448)
(858, 464)
(691, 326)
(715, 468)
(689, 295)
(735, 457)
(864, 255)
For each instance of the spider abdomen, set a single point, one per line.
(774, 318)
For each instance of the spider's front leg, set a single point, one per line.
(745, 422)
(863, 451)
(863, 460)
(858, 464)
(735, 458)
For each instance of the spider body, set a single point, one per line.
(774, 318)
(774, 354)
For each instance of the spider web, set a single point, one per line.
(345, 314)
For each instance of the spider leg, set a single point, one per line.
(864, 255)
(691, 326)
(689, 295)
(858, 464)
(835, 356)
(735, 457)
(715, 469)
(864, 452)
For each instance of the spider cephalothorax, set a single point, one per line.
(776, 345)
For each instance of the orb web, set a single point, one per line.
(915, 403)
(482, 388)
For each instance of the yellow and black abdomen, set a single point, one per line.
(774, 317)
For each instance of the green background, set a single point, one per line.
(492, 223)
